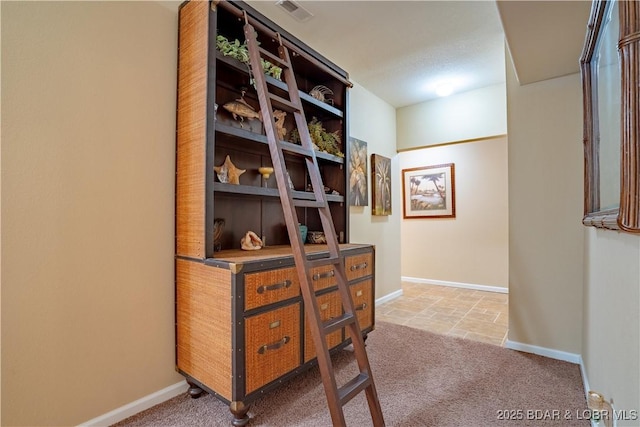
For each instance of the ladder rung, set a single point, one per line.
(353, 387)
(273, 58)
(336, 323)
(323, 261)
(295, 148)
(303, 203)
(285, 104)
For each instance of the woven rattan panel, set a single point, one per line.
(191, 132)
(204, 324)
(268, 287)
(363, 302)
(323, 277)
(272, 345)
(330, 307)
(358, 266)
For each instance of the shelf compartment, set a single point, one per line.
(239, 66)
(251, 190)
(252, 136)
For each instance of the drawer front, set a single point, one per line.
(272, 345)
(358, 266)
(267, 287)
(330, 307)
(323, 277)
(362, 296)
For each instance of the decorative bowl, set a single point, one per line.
(316, 237)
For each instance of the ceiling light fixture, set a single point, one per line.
(444, 89)
(294, 9)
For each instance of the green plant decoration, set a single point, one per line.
(329, 142)
(239, 51)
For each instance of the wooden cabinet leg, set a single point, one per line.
(239, 411)
(194, 391)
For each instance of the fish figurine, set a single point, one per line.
(240, 108)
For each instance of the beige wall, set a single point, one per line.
(474, 114)
(88, 104)
(88, 207)
(611, 329)
(374, 121)
(472, 248)
(87, 163)
(545, 212)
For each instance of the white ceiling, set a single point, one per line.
(545, 37)
(399, 49)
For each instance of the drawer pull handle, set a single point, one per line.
(361, 306)
(273, 346)
(324, 306)
(359, 266)
(359, 293)
(274, 287)
(324, 275)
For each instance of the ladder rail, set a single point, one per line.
(336, 397)
(286, 199)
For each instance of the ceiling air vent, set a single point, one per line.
(295, 10)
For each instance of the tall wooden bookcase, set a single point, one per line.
(240, 322)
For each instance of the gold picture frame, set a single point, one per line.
(380, 185)
(429, 192)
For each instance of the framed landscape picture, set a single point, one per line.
(429, 192)
(380, 185)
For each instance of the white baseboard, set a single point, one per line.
(389, 297)
(137, 406)
(543, 351)
(473, 286)
(585, 381)
(555, 354)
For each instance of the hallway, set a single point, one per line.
(465, 313)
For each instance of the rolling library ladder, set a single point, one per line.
(337, 397)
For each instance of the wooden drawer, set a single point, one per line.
(358, 266)
(272, 345)
(361, 294)
(330, 307)
(323, 277)
(267, 287)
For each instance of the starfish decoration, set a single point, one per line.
(230, 171)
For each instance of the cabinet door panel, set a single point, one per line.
(358, 266)
(272, 345)
(323, 277)
(330, 307)
(362, 296)
(267, 287)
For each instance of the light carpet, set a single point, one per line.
(423, 379)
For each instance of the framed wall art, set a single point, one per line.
(429, 192)
(358, 189)
(380, 185)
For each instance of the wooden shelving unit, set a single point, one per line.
(240, 319)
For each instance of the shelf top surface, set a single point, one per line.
(270, 253)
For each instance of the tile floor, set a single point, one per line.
(475, 315)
